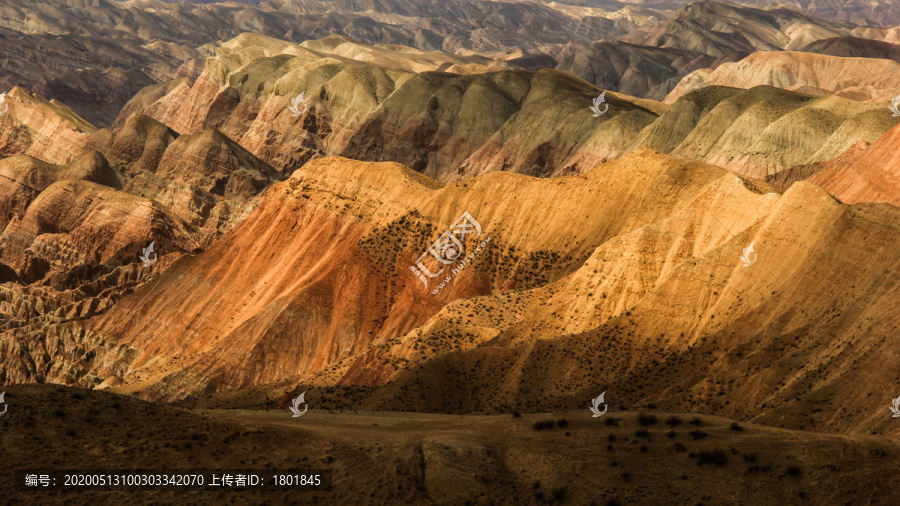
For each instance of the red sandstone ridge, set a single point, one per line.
(635, 261)
(869, 175)
(48, 131)
(321, 269)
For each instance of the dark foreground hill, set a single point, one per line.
(405, 458)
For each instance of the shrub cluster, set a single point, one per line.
(549, 424)
(717, 458)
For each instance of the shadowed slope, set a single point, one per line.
(641, 71)
(855, 47)
(715, 28)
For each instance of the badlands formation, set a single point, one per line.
(289, 187)
(451, 126)
(578, 268)
(450, 225)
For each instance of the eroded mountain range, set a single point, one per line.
(95, 56)
(289, 188)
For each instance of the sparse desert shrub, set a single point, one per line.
(645, 419)
(642, 432)
(613, 502)
(673, 421)
(562, 423)
(679, 448)
(626, 477)
(794, 471)
(750, 457)
(736, 427)
(611, 422)
(516, 414)
(560, 494)
(697, 434)
(697, 421)
(717, 458)
(611, 438)
(671, 434)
